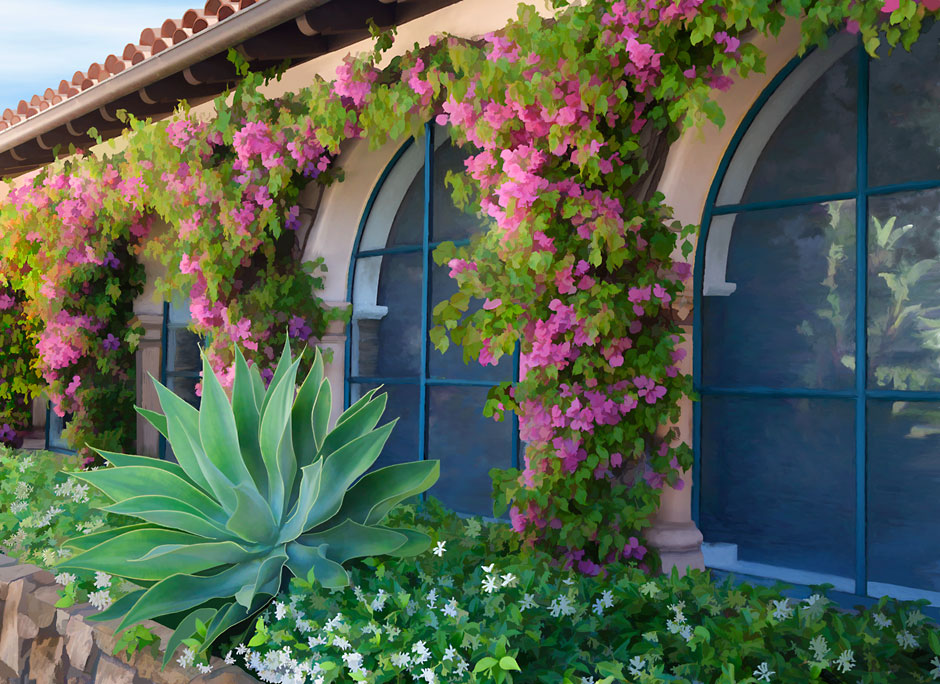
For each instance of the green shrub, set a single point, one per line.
(261, 485)
(479, 613)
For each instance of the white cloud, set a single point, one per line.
(45, 41)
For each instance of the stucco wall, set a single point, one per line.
(42, 644)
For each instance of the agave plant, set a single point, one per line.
(261, 485)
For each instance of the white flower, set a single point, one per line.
(906, 639)
(378, 603)
(935, 672)
(846, 660)
(598, 607)
(102, 580)
(508, 579)
(334, 623)
(527, 602)
(241, 649)
(25, 463)
(881, 620)
(914, 618)
(421, 652)
(341, 643)
(186, 659)
(489, 568)
(18, 507)
(64, 578)
(22, 490)
(361, 597)
(100, 599)
(812, 600)
(561, 606)
(401, 660)
(490, 583)
(450, 608)
(587, 680)
(763, 672)
(636, 666)
(432, 598)
(782, 609)
(315, 641)
(203, 668)
(439, 549)
(462, 668)
(280, 610)
(819, 647)
(353, 662)
(607, 599)
(450, 653)
(428, 675)
(392, 631)
(686, 632)
(229, 660)
(303, 626)
(568, 581)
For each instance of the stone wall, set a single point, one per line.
(42, 644)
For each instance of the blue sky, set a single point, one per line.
(44, 41)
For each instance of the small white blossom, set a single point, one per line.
(636, 666)
(812, 600)
(881, 620)
(607, 599)
(18, 507)
(360, 596)
(561, 606)
(587, 680)
(65, 578)
(763, 672)
(401, 660)
(204, 668)
(598, 607)
(378, 603)
(334, 623)
(450, 608)
(229, 660)
(935, 672)
(568, 581)
(392, 631)
(439, 549)
(25, 464)
(462, 668)
(341, 643)
(906, 639)
(490, 583)
(527, 602)
(421, 652)
(428, 675)
(819, 647)
(846, 660)
(450, 653)
(186, 659)
(686, 632)
(22, 490)
(782, 609)
(508, 579)
(241, 649)
(432, 598)
(353, 662)
(489, 568)
(303, 626)
(315, 641)
(280, 610)
(100, 599)
(102, 580)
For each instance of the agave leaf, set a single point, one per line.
(158, 420)
(128, 459)
(218, 432)
(117, 556)
(257, 386)
(352, 410)
(362, 421)
(351, 540)
(116, 609)
(305, 447)
(303, 558)
(170, 512)
(89, 541)
(127, 482)
(418, 542)
(307, 495)
(283, 365)
(376, 493)
(341, 470)
(320, 419)
(180, 592)
(227, 616)
(252, 520)
(275, 422)
(185, 629)
(248, 420)
(269, 570)
(183, 422)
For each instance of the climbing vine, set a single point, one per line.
(565, 117)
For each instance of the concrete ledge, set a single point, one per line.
(42, 644)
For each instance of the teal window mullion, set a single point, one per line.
(861, 325)
(425, 290)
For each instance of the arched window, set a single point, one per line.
(817, 355)
(394, 285)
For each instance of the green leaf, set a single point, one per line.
(184, 630)
(509, 663)
(247, 420)
(484, 664)
(305, 446)
(158, 420)
(170, 512)
(351, 540)
(304, 559)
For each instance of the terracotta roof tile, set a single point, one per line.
(152, 41)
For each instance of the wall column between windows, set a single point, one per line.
(148, 354)
(335, 340)
(673, 534)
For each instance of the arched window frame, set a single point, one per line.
(424, 381)
(170, 328)
(711, 261)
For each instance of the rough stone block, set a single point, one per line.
(112, 671)
(46, 663)
(62, 618)
(11, 643)
(40, 606)
(76, 676)
(79, 642)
